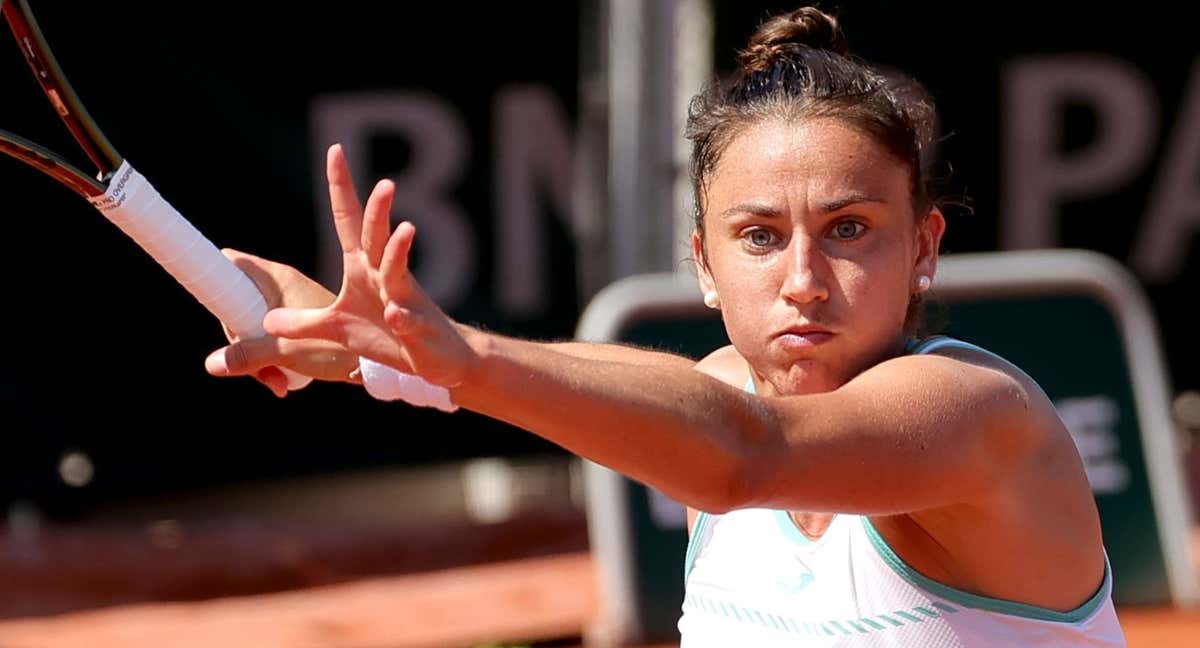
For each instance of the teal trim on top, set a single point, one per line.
(789, 528)
(917, 347)
(693, 547)
(750, 386)
(911, 346)
(988, 603)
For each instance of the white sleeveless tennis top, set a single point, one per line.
(754, 580)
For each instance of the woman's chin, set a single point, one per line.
(805, 377)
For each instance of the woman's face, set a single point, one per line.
(812, 246)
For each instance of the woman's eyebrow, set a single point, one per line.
(770, 211)
(758, 209)
(846, 201)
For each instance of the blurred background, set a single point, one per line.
(538, 147)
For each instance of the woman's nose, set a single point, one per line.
(807, 272)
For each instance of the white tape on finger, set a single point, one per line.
(385, 383)
(135, 206)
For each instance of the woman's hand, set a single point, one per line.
(281, 285)
(414, 336)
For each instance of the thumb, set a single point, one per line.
(244, 357)
(250, 357)
(260, 271)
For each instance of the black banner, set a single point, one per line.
(1067, 124)
(228, 109)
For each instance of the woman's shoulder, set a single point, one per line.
(725, 364)
(1020, 402)
(964, 351)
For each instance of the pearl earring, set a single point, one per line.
(711, 299)
(923, 283)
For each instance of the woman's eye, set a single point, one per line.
(848, 230)
(760, 237)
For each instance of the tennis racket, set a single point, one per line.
(127, 199)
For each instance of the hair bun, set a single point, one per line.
(806, 26)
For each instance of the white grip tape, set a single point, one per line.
(133, 205)
(389, 384)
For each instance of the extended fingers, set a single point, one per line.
(394, 265)
(347, 210)
(377, 221)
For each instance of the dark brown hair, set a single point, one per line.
(798, 65)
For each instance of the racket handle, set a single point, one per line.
(133, 205)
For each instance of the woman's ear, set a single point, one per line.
(929, 241)
(702, 273)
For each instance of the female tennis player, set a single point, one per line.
(850, 484)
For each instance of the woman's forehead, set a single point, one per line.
(823, 158)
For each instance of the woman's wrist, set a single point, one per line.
(482, 347)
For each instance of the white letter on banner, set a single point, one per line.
(532, 153)
(1038, 176)
(1092, 422)
(439, 142)
(1166, 232)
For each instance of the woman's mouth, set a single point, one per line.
(804, 337)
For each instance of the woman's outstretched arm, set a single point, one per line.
(908, 434)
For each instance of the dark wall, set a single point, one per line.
(227, 108)
(975, 58)
(215, 103)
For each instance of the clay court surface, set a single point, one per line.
(548, 599)
(357, 572)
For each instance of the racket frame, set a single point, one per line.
(157, 227)
(66, 104)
